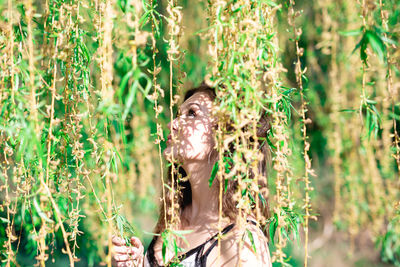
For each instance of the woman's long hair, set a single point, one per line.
(183, 195)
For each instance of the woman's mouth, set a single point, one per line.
(169, 138)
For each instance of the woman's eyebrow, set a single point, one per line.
(188, 105)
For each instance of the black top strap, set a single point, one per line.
(226, 230)
(200, 248)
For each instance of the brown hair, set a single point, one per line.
(183, 196)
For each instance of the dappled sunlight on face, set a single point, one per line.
(191, 138)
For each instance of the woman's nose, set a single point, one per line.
(174, 125)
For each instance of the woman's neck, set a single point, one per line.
(204, 206)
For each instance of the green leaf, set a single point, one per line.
(5, 220)
(351, 32)
(363, 48)
(175, 248)
(123, 83)
(377, 44)
(387, 40)
(180, 233)
(348, 110)
(250, 234)
(130, 98)
(213, 174)
(263, 201)
(164, 249)
(40, 212)
(272, 229)
(251, 197)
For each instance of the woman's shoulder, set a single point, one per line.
(246, 244)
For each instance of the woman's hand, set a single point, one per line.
(127, 256)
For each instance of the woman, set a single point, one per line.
(192, 144)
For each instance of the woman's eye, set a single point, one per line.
(191, 113)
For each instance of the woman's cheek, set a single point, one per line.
(200, 151)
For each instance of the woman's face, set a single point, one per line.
(192, 137)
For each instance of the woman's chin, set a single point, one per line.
(169, 154)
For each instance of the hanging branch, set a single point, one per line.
(41, 239)
(158, 91)
(337, 96)
(7, 202)
(7, 151)
(107, 95)
(11, 51)
(283, 201)
(248, 87)
(215, 8)
(391, 90)
(174, 54)
(304, 120)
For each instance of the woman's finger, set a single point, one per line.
(123, 249)
(122, 257)
(136, 253)
(136, 242)
(118, 241)
(125, 264)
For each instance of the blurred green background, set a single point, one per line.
(85, 51)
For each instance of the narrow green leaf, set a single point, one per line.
(4, 220)
(213, 174)
(351, 32)
(377, 44)
(250, 234)
(40, 212)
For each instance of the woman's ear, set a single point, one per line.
(212, 156)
